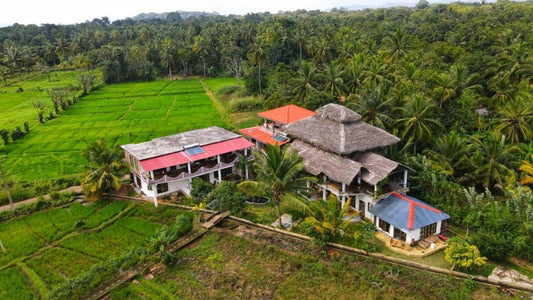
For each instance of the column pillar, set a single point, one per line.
(154, 189)
(189, 171)
(405, 178)
(343, 197)
(324, 189)
(246, 167)
(219, 170)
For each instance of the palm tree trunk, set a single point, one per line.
(204, 66)
(300, 52)
(260, 95)
(170, 72)
(279, 213)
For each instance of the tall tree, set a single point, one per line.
(257, 54)
(306, 80)
(418, 121)
(492, 158)
(514, 120)
(104, 170)
(281, 172)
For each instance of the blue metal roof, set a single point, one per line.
(395, 211)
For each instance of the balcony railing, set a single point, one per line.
(195, 172)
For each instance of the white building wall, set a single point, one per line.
(173, 186)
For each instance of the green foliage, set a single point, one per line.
(105, 168)
(328, 219)
(14, 283)
(243, 104)
(496, 246)
(200, 188)
(228, 197)
(226, 90)
(17, 134)
(5, 136)
(461, 254)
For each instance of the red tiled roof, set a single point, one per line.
(183, 157)
(262, 135)
(286, 114)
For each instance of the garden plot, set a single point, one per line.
(119, 113)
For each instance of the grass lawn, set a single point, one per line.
(121, 113)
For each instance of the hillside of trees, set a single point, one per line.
(453, 81)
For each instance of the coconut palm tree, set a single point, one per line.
(443, 87)
(328, 218)
(168, 56)
(514, 120)
(306, 80)
(450, 153)
(374, 106)
(332, 78)
(258, 55)
(493, 157)
(418, 120)
(104, 169)
(281, 172)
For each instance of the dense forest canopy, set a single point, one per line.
(453, 81)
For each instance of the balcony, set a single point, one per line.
(199, 168)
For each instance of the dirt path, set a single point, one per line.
(75, 189)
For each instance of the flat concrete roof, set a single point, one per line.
(177, 142)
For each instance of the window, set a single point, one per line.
(195, 150)
(400, 235)
(280, 138)
(428, 230)
(163, 187)
(384, 225)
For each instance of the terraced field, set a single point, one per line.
(48, 248)
(120, 113)
(16, 106)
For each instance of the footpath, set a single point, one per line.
(73, 189)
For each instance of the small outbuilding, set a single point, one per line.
(406, 218)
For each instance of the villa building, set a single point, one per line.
(348, 157)
(167, 164)
(270, 132)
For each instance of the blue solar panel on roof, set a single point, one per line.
(280, 138)
(195, 150)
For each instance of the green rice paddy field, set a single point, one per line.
(46, 249)
(120, 113)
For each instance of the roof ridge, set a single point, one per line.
(412, 204)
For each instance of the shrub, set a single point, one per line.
(5, 136)
(245, 104)
(228, 197)
(227, 89)
(463, 255)
(200, 188)
(495, 246)
(17, 134)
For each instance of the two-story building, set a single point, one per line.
(167, 164)
(348, 157)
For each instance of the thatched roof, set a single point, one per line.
(340, 130)
(177, 142)
(316, 161)
(375, 167)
